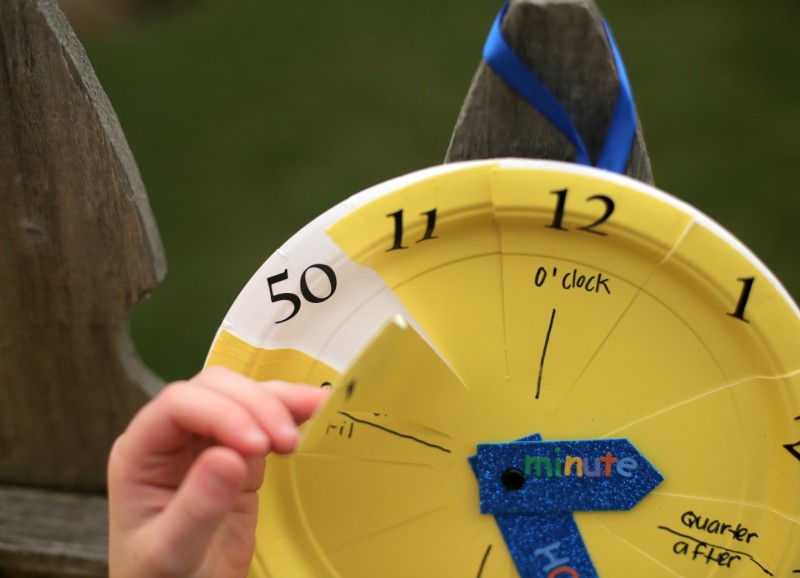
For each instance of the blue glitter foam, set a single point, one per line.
(541, 543)
(534, 510)
(616, 477)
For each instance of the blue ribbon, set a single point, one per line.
(619, 139)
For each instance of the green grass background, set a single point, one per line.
(248, 118)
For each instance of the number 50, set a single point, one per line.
(305, 290)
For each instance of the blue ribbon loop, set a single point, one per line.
(619, 138)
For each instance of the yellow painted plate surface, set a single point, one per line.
(534, 297)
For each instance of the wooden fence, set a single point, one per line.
(80, 248)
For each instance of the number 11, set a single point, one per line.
(398, 228)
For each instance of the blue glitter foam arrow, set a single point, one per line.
(532, 487)
(563, 476)
(544, 545)
(540, 544)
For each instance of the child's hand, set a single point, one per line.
(182, 478)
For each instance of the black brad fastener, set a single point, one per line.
(513, 479)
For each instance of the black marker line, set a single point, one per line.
(483, 562)
(716, 546)
(350, 388)
(544, 353)
(791, 449)
(387, 430)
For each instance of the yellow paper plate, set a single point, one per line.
(533, 297)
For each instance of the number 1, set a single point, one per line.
(747, 287)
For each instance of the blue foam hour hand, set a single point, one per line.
(562, 476)
(542, 544)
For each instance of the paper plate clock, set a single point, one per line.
(539, 369)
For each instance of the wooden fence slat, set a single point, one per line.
(564, 44)
(78, 248)
(45, 533)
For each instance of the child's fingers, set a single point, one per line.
(179, 539)
(255, 473)
(183, 412)
(301, 400)
(276, 406)
(220, 406)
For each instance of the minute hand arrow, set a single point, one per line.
(563, 476)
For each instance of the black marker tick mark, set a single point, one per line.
(393, 432)
(544, 353)
(350, 388)
(483, 562)
(793, 449)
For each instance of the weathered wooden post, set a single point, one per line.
(79, 248)
(564, 43)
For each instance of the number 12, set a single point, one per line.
(558, 217)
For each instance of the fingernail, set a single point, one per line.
(291, 435)
(221, 480)
(255, 437)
